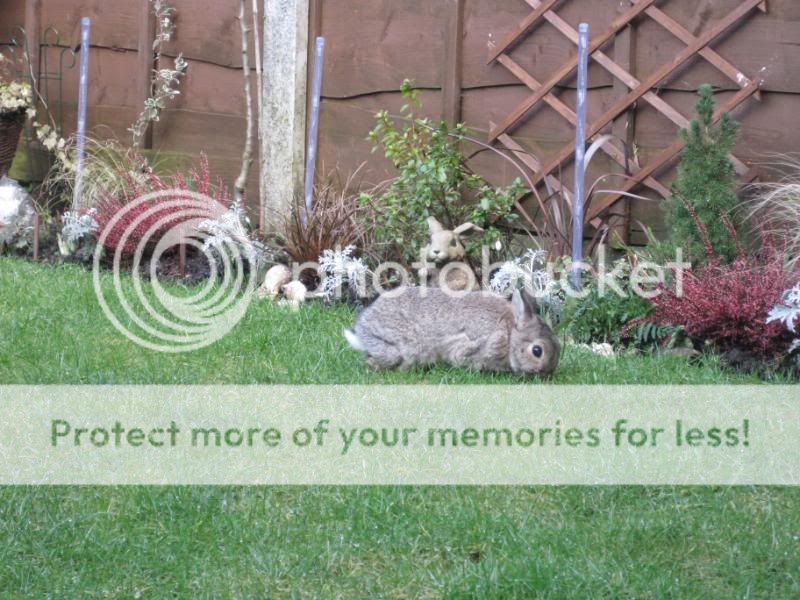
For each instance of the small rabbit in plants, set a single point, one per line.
(446, 247)
(479, 330)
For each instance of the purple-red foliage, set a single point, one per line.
(111, 204)
(727, 304)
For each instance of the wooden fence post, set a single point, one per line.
(283, 117)
(451, 72)
(32, 33)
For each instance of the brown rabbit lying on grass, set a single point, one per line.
(478, 330)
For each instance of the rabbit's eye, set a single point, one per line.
(454, 243)
(536, 350)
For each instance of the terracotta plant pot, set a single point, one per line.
(10, 129)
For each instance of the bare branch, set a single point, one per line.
(247, 154)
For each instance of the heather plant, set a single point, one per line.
(732, 305)
(160, 221)
(433, 180)
(726, 305)
(707, 182)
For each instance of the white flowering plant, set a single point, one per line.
(61, 148)
(530, 271)
(788, 313)
(78, 236)
(16, 98)
(231, 232)
(339, 268)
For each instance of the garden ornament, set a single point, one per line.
(16, 215)
(446, 246)
(276, 277)
(294, 294)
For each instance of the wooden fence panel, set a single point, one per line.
(207, 116)
(207, 31)
(12, 15)
(115, 23)
(372, 45)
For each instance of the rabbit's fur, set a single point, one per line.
(478, 330)
(445, 247)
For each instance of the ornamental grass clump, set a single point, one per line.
(337, 220)
(776, 207)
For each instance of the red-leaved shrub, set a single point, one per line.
(161, 220)
(727, 304)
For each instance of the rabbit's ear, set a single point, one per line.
(434, 226)
(524, 306)
(467, 228)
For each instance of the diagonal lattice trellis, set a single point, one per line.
(639, 90)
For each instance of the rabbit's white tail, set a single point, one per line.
(353, 340)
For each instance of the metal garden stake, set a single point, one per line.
(580, 150)
(313, 130)
(83, 98)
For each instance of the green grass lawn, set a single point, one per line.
(357, 542)
(52, 330)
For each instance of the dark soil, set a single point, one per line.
(169, 268)
(749, 362)
(196, 269)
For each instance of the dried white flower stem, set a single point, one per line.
(257, 49)
(247, 154)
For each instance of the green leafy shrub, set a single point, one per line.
(602, 317)
(433, 180)
(707, 182)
